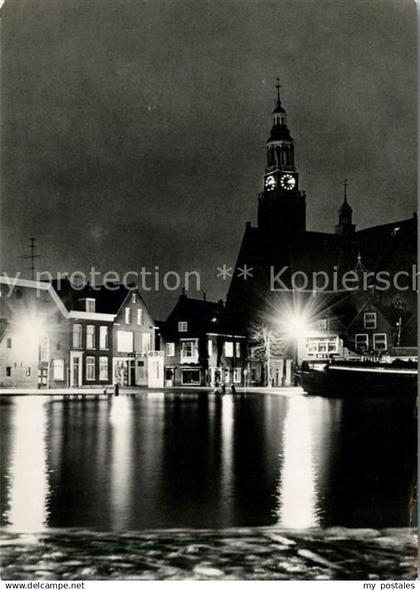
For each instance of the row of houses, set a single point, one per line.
(61, 335)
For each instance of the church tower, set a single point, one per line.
(345, 227)
(281, 206)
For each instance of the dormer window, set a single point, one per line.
(182, 326)
(90, 305)
(370, 320)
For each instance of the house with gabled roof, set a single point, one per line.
(199, 348)
(112, 335)
(34, 328)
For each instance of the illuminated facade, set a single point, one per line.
(34, 326)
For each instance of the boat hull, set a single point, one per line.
(342, 381)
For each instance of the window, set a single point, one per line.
(229, 349)
(28, 371)
(170, 349)
(90, 336)
(103, 337)
(77, 336)
(124, 341)
(58, 369)
(44, 349)
(236, 375)
(190, 377)
(90, 305)
(323, 324)
(238, 349)
(370, 320)
(128, 315)
(210, 348)
(182, 326)
(139, 316)
(103, 368)
(134, 298)
(189, 351)
(362, 342)
(9, 343)
(90, 368)
(8, 371)
(379, 342)
(146, 342)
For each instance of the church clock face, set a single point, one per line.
(288, 182)
(270, 182)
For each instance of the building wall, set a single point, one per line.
(210, 366)
(96, 352)
(139, 339)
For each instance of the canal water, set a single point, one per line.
(181, 460)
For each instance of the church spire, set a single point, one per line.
(345, 214)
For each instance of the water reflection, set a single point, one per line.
(28, 472)
(121, 471)
(193, 460)
(298, 489)
(227, 468)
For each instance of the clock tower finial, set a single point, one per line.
(278, 86)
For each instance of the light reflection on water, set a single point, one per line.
(194, 460)
(298, 490)
(28, 477)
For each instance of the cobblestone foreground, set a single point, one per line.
(232, 554)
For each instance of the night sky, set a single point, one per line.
(134, 132)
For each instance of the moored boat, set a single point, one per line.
(341, 378)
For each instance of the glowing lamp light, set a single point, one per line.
(296, 326)
(29, 327)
